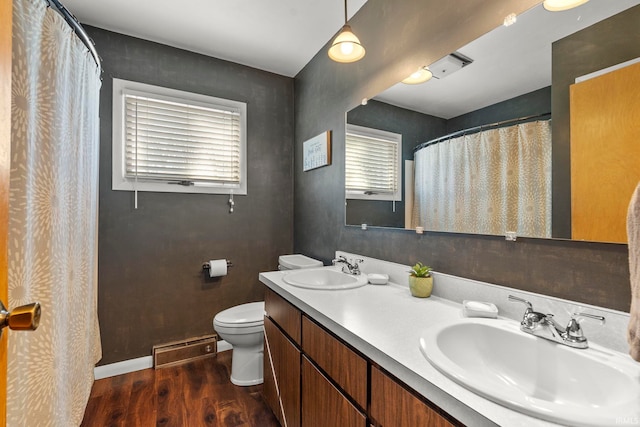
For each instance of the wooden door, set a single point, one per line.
(5, 147)
(605, 154)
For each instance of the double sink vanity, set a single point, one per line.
(339, 351)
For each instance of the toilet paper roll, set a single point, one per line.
(217, 267)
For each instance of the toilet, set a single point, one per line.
(242, 326)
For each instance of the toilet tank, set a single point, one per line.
(297, 261)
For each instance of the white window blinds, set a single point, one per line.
(181, 142)
(372, 162)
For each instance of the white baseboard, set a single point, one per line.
(132, 365)
(124, 367)
(224, 346)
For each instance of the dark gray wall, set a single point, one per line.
(415, 128)
(399, 38)
(530, 104)
(150, 281)
(610, 42)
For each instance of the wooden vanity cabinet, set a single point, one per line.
(322, 382)
(394, 406)
(343, 365)
(323, 405)
(282, 358)
(284, 314)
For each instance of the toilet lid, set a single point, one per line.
(244, 315)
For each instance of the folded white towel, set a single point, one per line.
(633, 234)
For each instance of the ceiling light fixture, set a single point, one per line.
(510, 19)
(346, 46)
(422, 75)
(560, 5)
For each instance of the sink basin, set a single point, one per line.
(493, 358)
(325, 278)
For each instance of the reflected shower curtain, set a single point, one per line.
(489, 182)
(53, 219)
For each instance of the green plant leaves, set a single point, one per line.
(421, 270)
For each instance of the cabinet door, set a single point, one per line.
(393, 406)
(282, 390)
(323, 405)
(283, 313)
(344, 366)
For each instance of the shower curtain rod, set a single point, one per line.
(481, 128)
(77, 28)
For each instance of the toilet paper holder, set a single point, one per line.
(205, 266)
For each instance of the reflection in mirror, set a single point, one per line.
(528, 70)
(373, 170)
(486, 182)
(414, 128)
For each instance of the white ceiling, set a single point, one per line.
(280, 36)
(508, 61)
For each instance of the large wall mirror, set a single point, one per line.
(532, 129)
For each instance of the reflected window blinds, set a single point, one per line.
(372, 163)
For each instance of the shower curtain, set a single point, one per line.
(53, 212)
(488, 182)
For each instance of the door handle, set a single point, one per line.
(23, 318)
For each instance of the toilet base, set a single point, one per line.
(247, 365)
(247, 383)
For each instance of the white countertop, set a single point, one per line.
(385, 323)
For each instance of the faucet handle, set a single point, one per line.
(523, 301)
(577, 316)
(574, 331)
(531, 320)
(341, 258)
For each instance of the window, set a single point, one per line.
(373, 164)
(168, 140)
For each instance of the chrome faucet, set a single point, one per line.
(545, 326)
(348, 267)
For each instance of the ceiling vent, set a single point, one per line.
(449, 65)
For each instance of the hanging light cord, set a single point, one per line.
(345, 12)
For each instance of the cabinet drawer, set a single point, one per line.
(342, 364)
(393, 406)
(283, 313)
(281, 358)
(323, 405)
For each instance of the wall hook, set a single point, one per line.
(231, 202)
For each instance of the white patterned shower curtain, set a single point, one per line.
(53, 212)
(489, 182)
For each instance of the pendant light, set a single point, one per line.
(346, 46)
(422, 75)
(560, 5)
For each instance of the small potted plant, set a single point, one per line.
(421, 281)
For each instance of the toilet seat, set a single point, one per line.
(241, 316)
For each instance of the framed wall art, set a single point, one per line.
(316, 152)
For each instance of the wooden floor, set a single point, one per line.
(192, 395)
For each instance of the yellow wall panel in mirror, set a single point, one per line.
(605, 153)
